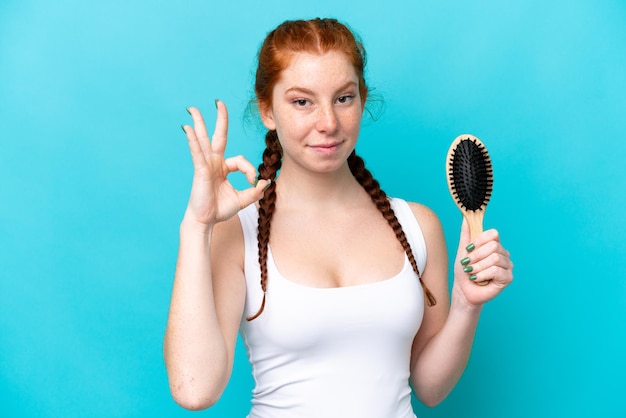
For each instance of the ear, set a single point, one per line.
(267, 116)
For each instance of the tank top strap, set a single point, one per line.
(412, 230)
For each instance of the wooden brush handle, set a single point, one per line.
(475, 223)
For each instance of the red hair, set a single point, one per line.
(316, 36)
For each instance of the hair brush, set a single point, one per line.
(470, 180)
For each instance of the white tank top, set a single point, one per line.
(332, 352)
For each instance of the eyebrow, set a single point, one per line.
(308, 91)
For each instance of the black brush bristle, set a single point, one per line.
(471, 174)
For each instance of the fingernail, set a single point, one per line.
(468, 269)
(465, 261)
(187, 109)
(269, 183)
(216, 102)
(183, 128)
(470, 248)
(256, 181)
(472, 277)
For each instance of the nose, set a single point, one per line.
(327, 119)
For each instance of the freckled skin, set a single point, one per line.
(316, 112)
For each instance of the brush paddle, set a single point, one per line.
(470, 180)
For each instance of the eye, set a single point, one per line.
(345, 98)
(300, 102)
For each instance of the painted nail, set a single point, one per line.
(269, 183)
(472, 277)
(465, 261)
(468, 269)
(256, 181)
(183, 128)
(216, 102)
(470, 248)
(187, 109)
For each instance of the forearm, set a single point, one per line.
(444, 358)
(195, 352)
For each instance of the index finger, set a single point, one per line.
(221, 128)
(199, 129)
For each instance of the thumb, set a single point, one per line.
(253, 194)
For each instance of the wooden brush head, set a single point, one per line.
(469, 173)
(470, 178)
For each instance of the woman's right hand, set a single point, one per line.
(213, 199)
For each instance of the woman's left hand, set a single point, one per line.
(482, 267)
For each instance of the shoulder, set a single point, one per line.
(423, 212)
(429, 225)
(434, 237)
(431, 229)
(427, 219)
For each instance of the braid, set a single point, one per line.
(372, 187)
(272, 161)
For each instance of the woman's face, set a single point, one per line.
(316, 111)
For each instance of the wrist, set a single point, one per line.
(190, 226)
(460, 304)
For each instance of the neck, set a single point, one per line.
(314, 190)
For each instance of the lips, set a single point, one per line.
(326, 150)
(326, 146)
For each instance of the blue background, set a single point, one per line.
(95, 174)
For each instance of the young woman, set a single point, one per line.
(340, 293)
